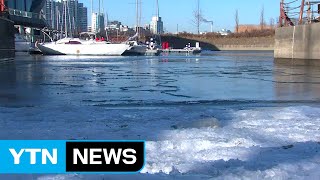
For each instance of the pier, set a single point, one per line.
(186, 51)
(298, 42)
(298, 39)
(12, 13)
(6, 39)
(7, 46)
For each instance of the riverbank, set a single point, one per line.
(222, 43)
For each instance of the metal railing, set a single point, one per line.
(25, 14)
(299, 12)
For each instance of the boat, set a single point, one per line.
(188, 49)
(153, 52)
(76, 46)
(193, 50)
(136, 49)
(153, 48)
(21, 44)
(34, 50)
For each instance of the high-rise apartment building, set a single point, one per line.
(82, 18)
(66, 15)
(156, 25)
(97, 23)
(53, 14)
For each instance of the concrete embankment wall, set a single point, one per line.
(298, 42)
(6, 40)
(223, 43)
(245, 48)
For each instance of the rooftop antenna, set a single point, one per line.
(198, 17)
(158, 13)
(91, 14)
(99, 7)
(140, 14)
(102, 6)
(137, 16)
(91, 6)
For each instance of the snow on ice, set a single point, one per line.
(268, 143)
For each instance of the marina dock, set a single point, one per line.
(186, 51)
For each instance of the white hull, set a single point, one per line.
(86, 48)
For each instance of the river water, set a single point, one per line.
(202, 116)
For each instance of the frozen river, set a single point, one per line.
(219, 115)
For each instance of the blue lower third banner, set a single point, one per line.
(48, 156)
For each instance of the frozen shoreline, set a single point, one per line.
(259, 143)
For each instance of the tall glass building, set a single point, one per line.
(34, 6)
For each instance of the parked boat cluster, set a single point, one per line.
(89, 43)
(96, 46)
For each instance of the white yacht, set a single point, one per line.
(76, 46)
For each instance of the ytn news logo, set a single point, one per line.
(71, 156)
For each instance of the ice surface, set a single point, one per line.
(255, 143)
(230, 115)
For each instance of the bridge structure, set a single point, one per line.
(24, 12)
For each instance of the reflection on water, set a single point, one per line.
(213, 78)
(299, 78)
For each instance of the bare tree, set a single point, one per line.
(272, 24)
(236, 18)
(262, 21)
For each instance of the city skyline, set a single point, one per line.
(220, 12)
(73, 13)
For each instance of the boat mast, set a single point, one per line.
(65, 19)
(158, 13)
(57, 18)
(158, 19)
(107, 20)
(70, 21)
(98, 17)
(137, 18)
(91, 7)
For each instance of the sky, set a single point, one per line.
(180, 12)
